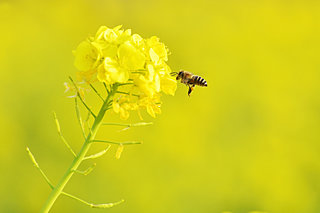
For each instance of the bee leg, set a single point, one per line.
(191, 87)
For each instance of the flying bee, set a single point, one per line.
(190, 80)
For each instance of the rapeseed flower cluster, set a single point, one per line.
(116, 56)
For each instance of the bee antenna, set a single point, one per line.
(173, 73)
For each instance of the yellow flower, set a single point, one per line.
(154, 56)
(86, 56)
(168, 85)
(107, 40)
(158, 79)
(107, 34)
(145, 85)
(138, 41)
(111, 72)
(130, 57)
(122, 105)
(124, 36)
(151, 104)
(115, 55)
(124, 114)
(112, 36)
(157, 48)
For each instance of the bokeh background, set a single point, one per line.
(248, 142)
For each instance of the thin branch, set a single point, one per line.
(128, 126)
(92, 205)
(105, 86)
(78, 94)
(79, 117)
(87, 120)
(90, 130)
(87, 171)
(58, 189)
(124, 84)
(94, 89)
(38, 167)
(108, 108)
(128, 93)
(110, 103)
(61, 136)
(99, 154)
(88, 117)
(118, 143)
(138, 72)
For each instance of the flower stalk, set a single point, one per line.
(58, 189)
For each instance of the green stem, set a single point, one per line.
(126, 93)
(118, 143)
(80, 156)
(96, 91)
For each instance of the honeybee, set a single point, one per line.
(190, 80)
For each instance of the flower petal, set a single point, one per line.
(86, 56)
(131, 57)
(168, 85)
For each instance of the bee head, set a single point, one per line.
(180, 74)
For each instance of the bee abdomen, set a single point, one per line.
(199, 81)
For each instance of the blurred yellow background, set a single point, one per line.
(248, 142)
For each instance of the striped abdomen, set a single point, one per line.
(197, 80)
